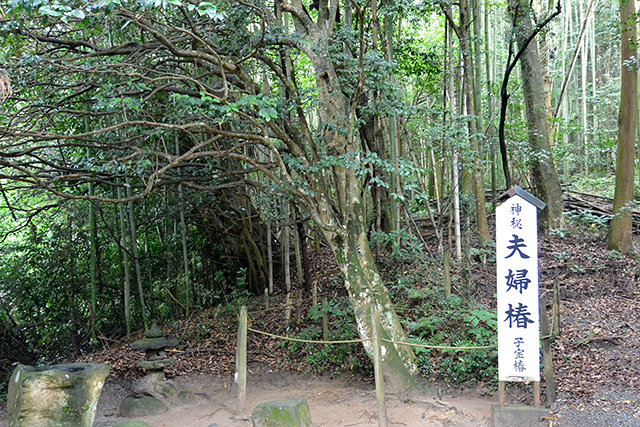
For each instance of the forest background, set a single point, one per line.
(157, 154)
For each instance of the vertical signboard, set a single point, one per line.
(517, 280)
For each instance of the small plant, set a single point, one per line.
(562, 256)
(240, 293)
(450, 323)
(577, 269)
(402, 244)
(586, 218)
(484, 254)
(320, 357)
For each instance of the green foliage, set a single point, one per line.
(323, 358)
(401, 243)
(587, 219)
(452, 323)
(240, 292)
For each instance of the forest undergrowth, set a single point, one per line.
(596, 353)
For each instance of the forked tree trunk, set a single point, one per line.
(545, 178)
(341, 213)
(366, 290)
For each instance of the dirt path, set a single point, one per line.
(333, 403)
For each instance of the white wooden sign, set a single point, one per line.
(517, 280)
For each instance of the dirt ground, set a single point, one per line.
(346, 402)
(333, 402)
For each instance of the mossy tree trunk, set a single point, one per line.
(341, 213)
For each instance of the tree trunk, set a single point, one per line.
(545, 178)
(341, 213)
(136, 257)
(366, 290)
(619, 235)
(125, 264)
(463, 31)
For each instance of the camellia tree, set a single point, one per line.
(138, 95)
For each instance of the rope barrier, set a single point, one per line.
(438, 347)
(432, 347)
(293, 303)
(306, 341)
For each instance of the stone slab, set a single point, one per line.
(133, 407)
(132, 423)
(56, 395)
(153, 343)
(282, 413)
(519, 415)
(154, 365)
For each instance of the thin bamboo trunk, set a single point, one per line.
(125, 262)
(136, 256)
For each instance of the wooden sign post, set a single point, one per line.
(517, 290)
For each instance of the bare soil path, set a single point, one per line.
(333, 402)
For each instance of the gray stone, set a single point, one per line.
(189, 398)
(519, 415)
(57, 395)
(155, 365)
(154, 331)
(154, 385)
(167, 388)
(153, 343)
(133, 407)
(282, 413)
(132, 423)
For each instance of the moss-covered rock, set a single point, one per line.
(57, 395)
(133, 407)
(282, 413)
(132, 423)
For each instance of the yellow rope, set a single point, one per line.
(307, 341)
(438, 347)
(291, 304)
(434, 347)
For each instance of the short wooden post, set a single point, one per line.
(287, 311)
(536, 394)
(447, 273)
(266, 298)
(502, 395)
(555, 318)
(377, 369)
(241, 356)
(314, 293)
(547, 360)
(325, 320)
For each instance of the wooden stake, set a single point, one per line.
(266, 298)
(314, 293)
(547, 360)
(377, 369)
(555, 319)
(325, 320)
(287, 311)
(241, 356)
(501, 394)
(536, 394)
(447, 273)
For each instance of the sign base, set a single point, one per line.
(519, 415)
